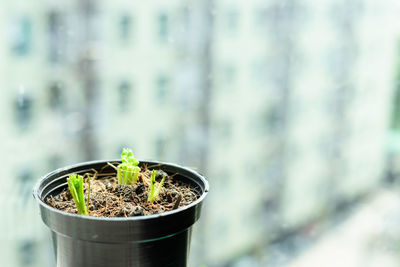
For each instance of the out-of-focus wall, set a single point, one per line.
(40, 115)
(283, 105)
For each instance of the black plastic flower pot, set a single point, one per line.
(155, 240)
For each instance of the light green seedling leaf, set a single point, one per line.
(128, 158)
(75, 185)
(153, 191)
(128, 171)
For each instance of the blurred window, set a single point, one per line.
(163, 27)
(56, 41)
(55, 162)
(159, 146)
(162, 88)
(279, 20)
(229, 73)
(259, 72)
(278, 71)
(274, 119)
(55, 95)
(260, 18)
(23, 110)
(232, 21)
(27, 252)
(185, 16)
(124, 95)
(339, 100)
(396, 102)
(22, 36)
(25, 176)
(125, 27)
(224, 128)
(220, 181)
(25, 179)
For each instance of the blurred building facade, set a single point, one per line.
(283, 105)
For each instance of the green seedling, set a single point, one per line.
(153, 191)
(128, 170)
(75, 185)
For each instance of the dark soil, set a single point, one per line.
(109, 199)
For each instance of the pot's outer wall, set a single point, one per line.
(155, 240)
(172, 252)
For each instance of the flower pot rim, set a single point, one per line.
(37, 191)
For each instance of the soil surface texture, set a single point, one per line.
(109, 199)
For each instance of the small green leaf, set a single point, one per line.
(75, 185)
(153, 191)
(128, 170)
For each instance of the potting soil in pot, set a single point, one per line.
(110, 199)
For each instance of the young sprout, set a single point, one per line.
(75, 185)
(153, 191)
(128, 170)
